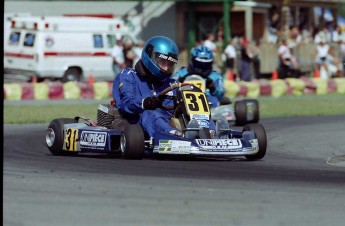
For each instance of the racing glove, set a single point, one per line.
(151, 103)
(210, 84)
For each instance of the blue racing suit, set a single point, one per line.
(129, 90)
(217, 93)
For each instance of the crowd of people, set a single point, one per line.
(125, 53)
(328, 55)
(240, 59)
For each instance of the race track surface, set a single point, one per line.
(301, 181)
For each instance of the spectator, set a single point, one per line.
(288, 65)
(256, 60)
(137, 49)
(246, 58)
(118, 62)
(128, 53)
(324, 34)
(328, 63)
(342, 48)
(336, 34)
(209, 43)
(230, 57)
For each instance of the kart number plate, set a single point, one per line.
(71, 139)
(198, 83)
(196, 103)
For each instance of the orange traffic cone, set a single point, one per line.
(91, 80)
(275, 75)
(231, 75)
(316, 73)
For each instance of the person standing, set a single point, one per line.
(209, 43)
(246, 59)
(230, 56)
(128, 53)
(118, 60)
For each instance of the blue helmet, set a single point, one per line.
(201, 60)
(160, 56)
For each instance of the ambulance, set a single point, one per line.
(62, 48)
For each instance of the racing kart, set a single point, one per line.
(244, 111)
(113, 134)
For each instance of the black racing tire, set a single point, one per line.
(256, 113)
(72, 74)
(55, 135)
(132, 142)
(242, 113)
(260, 134)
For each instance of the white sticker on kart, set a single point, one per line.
(219, 144)
(174, 147)
(93, 139)
(199, 116)
(255, 144)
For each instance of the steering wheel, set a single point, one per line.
(162, 95)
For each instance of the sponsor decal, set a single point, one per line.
(219, 144)
(203, 123)
(93, 139)
(255, 144)
(174, 147)
(199, 116)
(172, 59)
(165, 57)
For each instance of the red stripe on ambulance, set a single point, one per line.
(50, 54)
(19, 55)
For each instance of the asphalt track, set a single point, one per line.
(301, 181)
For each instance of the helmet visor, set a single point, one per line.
(166, 63)
(202, 65)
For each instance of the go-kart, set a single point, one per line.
(246, 110)
(192, 116)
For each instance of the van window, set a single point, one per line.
(97, 41)
(14, 38)
(29, 40)
(111, 41)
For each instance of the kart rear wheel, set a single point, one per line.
(132, 142)
(246, 111)
(55, 135)
(260, 134)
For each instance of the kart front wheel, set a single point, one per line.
(132, 142)
(260, 134)
(55, 135)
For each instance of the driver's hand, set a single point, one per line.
(151, 103)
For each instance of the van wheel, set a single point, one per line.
(72, 74)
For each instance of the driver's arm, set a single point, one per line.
(130, 95)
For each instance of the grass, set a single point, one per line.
(287, 106)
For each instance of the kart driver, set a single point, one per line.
(201, 63)
(135, 90)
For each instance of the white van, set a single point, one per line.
(63, 48)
